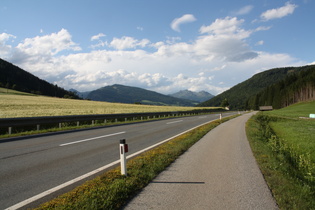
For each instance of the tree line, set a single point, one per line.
(297, 86)
(238, 95)
(13, 77)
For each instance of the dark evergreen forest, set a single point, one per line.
(290, 84)
(13, 77)
(127, 94)
(294, 88)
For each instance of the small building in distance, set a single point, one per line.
(265, 108)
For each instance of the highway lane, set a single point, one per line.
(29, 167)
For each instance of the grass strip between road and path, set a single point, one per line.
(284, 151)
(112, 190)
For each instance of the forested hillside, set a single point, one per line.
(239, 95)
(15, 78)
(127, 94)
(194, 96)
(294, 88)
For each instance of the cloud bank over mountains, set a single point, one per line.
(220, 56)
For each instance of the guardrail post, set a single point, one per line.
(37, 121)
(123, 149)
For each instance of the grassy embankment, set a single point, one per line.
(18, 104)
(112, 190)
(284, 146)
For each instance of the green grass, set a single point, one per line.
(289, 191)
(300, 133)
(302, 109)
(284, 147)
(112, 191)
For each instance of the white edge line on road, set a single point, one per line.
(166, 140)
(47, 192)
(174, 122)
(90, 139)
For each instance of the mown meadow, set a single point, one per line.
(283, 143)
(17, 104)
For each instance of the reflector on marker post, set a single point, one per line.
(123, 148)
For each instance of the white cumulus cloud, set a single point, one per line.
(5, 49)
(97, 37)
(44, 47)
(217, 59)
(225, 41)
(227, 26)
(188, 18)
(280, 12)
(49, 44)
(127, 42)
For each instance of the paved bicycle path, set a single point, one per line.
(218, 172)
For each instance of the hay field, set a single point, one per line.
(15, 105)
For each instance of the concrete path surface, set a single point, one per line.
(218, 172)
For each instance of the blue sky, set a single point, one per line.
(164, 46)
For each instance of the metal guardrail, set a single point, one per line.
(30, 121)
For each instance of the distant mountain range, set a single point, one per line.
(194, 96)
(127, 94)
(139, 95)
(15, 78)
(278, 87)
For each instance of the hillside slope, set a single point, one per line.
(238, 95)
(127, 94)
(194, 96)
(292, 89)
(13, 77)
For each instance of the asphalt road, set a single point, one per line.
(31, 166)
(218, 172)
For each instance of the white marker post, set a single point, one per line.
(123, 147)
(221, 116)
